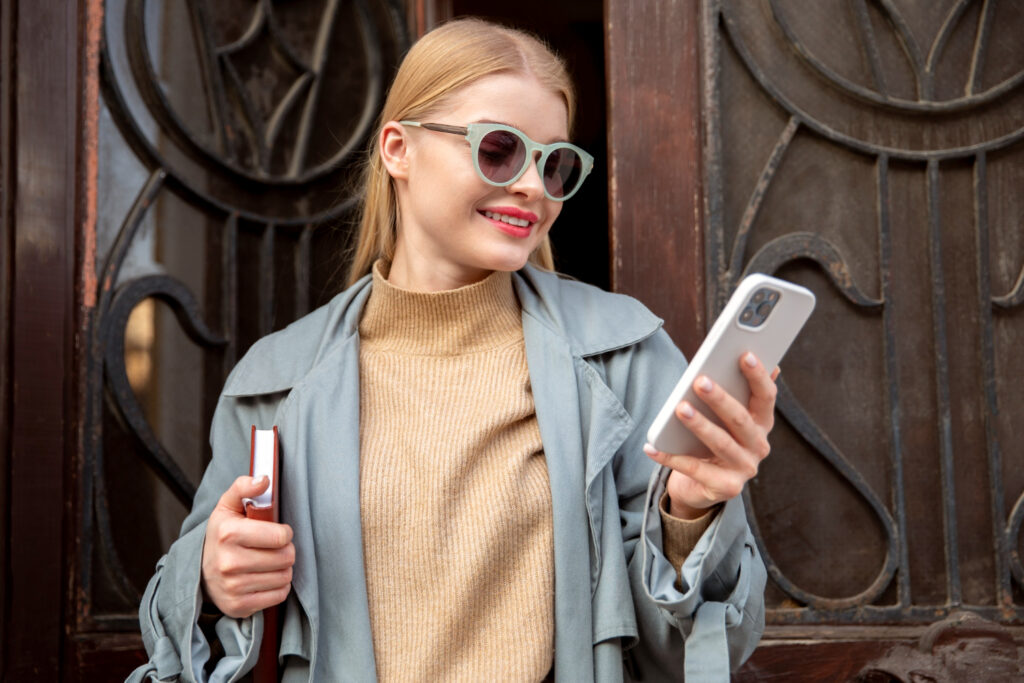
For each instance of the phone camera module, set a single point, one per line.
(759, 307)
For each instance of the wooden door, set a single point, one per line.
(178, 180)
(175, 181)
(871, 151)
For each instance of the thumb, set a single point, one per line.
(243, 487)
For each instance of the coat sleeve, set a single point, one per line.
(170, 608)
(713, 620)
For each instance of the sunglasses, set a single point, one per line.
(501, 155)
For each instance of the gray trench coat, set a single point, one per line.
(600, 366)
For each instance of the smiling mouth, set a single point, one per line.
(517, 222)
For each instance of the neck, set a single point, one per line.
(417, 267)
(418, 278)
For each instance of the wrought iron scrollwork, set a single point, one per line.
(234, 171)
(816, 98)
(1012, 534)
(177, 295)
(1014, 297)
(253, 114)
(923, 66)
(830, 117)
(806, 245)
(790, 408)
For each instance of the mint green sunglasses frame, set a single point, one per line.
(475, 132)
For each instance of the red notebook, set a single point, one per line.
(263, 461)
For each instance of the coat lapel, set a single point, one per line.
(557, 405)
(583, 424)
(321, 433)
(338, 542)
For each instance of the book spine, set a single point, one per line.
(266, 663)
(263, 514)
(275, 495)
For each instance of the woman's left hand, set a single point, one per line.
(698, 482)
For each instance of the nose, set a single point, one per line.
(530, 185)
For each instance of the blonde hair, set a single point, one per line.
(450, 57)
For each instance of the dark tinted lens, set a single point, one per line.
(501, 155)
(562, 172)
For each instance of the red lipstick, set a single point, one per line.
(516, 214)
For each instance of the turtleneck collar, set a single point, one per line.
(477, 317)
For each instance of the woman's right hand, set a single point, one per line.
(247, 563)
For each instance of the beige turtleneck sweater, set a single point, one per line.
(454, 491)
(455, 499)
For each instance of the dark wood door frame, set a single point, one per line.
(654, 176)
(40, 126)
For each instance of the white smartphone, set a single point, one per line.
(763, 316)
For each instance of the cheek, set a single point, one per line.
(554, 211)
(444, 173)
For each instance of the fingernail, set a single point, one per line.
(686, 409)
(750, 360)
(704, 384)
(650, 450)
(256, 481)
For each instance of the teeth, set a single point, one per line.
(518, 222)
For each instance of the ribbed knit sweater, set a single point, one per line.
(454, 491)
(455, 498)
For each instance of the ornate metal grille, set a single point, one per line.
(231, 134)
(887, 135)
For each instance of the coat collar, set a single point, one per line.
(298, 348)
(589, 325)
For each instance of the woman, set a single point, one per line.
(464, 479)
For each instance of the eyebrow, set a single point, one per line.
(504, 123)
(517, 127)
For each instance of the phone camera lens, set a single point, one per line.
(747, 315)
(758, 296)
(773, 296)
(764, 309)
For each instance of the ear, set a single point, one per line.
(394, 150)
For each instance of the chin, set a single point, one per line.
(509, 263)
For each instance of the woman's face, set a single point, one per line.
(446, 238)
